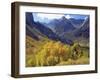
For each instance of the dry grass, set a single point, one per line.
(46, 52)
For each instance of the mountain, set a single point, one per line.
(62, 25)
(76, 22)
(29, 19)
(83, 30)
(30, 33)
(37, 30)
(80, 34)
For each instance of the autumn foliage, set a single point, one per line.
(51, 53)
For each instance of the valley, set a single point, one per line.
(64, 44)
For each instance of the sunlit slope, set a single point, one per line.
(46, 52)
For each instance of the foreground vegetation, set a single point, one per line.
(46, 52)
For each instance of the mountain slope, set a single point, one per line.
(62, 25)
(36, 30)
(83, 30)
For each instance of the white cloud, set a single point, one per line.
(68, 16)
(49, 16)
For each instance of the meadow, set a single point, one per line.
(47, 52)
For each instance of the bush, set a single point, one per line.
(52, 53)
(76, 51)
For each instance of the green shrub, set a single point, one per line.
(76, 51)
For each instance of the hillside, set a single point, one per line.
(66, 45)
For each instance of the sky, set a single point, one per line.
(46, 17)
